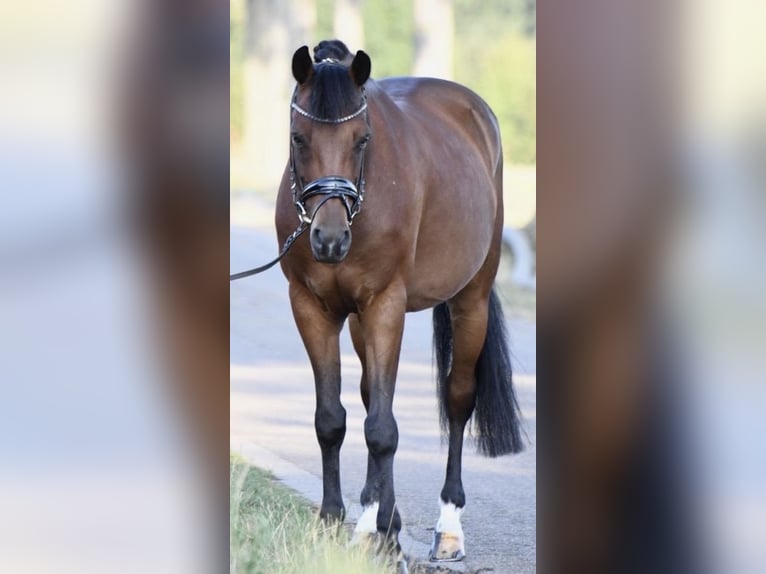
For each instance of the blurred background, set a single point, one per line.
(651, 300)
(114, 154)
(488, 46)
(113, 326)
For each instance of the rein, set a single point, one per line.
(329, 187)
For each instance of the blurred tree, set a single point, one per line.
(389, 28)
(434, 36)
(495, 18)
(493, 53)
(495, 56)
(504, 74)
(348, 24)
(274, 28)
(324, 27)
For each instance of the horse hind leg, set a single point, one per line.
(472, 329)
(459, 330)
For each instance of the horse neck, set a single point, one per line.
(383, 106)
(378, 98)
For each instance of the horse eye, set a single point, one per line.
(298, 140)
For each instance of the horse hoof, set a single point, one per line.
(446, 547)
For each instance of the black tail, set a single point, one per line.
(497, 417)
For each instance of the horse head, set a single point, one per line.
(329, 133)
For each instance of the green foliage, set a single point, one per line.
(490, 18)
(388, 33)
(503, 73)
(324, 10)
(389, 30)
(495, 56)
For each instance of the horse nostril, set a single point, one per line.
(317, 234)
(346, 235)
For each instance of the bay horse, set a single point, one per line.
(415, 164)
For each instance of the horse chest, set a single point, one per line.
(339, 291)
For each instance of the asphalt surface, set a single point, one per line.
(272, 413)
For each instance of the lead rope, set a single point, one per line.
(303, 217)
(288, 243)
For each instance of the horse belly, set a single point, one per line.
(448, 258)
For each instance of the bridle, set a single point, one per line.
(332, 186)
(351, 194)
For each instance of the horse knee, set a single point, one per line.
(381, 434)
(330, 425)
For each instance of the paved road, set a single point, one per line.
(272, 410)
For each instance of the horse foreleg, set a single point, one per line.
(320, 332)
(367, 526)
(468, 314)
(366, 529)
(357, 338)
(378, 336)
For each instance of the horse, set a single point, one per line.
(414, 166)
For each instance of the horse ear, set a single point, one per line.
(303, 67)
(360, 68)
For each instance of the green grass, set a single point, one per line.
(275, 531)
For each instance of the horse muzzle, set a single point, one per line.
(330, 245)
(330, 242)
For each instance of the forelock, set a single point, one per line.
(333, 92)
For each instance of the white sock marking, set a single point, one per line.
(449, 519)
(368, 521)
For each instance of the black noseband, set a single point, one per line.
(331, 187)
